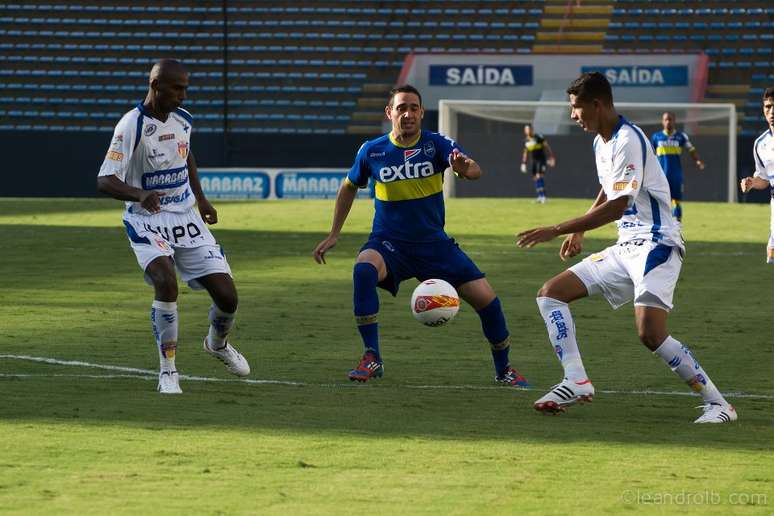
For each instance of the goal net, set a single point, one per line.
(492, 132)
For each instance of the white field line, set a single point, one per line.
(147, 374)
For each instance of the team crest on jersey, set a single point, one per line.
(408, 154)
(182, 149)
(429, 149)
(150, 129)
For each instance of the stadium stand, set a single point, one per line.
(324, 67)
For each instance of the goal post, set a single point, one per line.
(492, 132)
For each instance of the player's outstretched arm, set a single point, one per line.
(206, 210)
(117, 189)
(750, 183)
(598, 216)
(344, 200)
(573, 243)
(464, 166)
(551, 157)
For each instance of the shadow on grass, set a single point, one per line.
(89, 303)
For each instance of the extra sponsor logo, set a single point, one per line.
(630, 168)
(376, 154)
(649, 76)
(481, 75)
(407, 170)
(165, 137)
(115, 155)
(150, 129)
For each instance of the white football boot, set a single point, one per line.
(233, 359)
(564, 395)
(717, 412)
(169, 383)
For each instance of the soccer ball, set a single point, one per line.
(434, 302)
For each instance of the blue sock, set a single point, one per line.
(539, 186)
(496, 332)
(366, 300)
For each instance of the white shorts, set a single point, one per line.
(639, 270)
(184, 237)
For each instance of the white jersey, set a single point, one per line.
(627, 166)
(150, 154)
(763, 155)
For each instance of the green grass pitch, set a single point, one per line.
(434, 436)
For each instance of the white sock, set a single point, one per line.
(220, 324)
(680, 359)
(164, 321)
(561, 334)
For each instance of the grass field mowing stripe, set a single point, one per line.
(148, 374)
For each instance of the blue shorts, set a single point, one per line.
(675, 181)
(441, 260)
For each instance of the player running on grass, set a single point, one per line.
(150, 166)
(763, 155)
(408, 238)
(643, 265)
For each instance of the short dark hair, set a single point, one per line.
(768, 93)
(592, 86)
(404, 88)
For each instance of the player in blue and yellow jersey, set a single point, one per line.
(536, 147)
(408, 238)
(669, 145)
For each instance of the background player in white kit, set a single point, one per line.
(643, 265)
(763, 155)
(150, 165)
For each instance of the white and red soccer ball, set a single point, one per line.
(434, 302)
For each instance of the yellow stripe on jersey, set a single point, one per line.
(533, 146)
(407, 189)
(665, 150)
